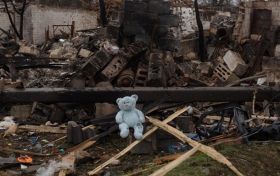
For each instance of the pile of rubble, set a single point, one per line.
(143, 47)
(93, 56)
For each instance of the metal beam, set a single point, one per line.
(146, 94)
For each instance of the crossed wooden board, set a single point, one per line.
(211, 152)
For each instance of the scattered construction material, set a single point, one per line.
(205, 149)
(43, 129)
(59, 84)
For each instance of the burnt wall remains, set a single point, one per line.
(153, 22)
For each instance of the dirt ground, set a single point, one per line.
(254, 159)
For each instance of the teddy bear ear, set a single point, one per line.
(118, 100)
(135, 97)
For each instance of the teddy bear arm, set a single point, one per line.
(119, 117)
(141, 116)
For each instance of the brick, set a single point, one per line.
(224, 74)
(85, 53)
(235, 63)
(119, 62)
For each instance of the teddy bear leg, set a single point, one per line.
(138, 131)
(124, 130)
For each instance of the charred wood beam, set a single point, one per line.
(26, 62)
(202, 48)
(23, 59)
(146, 94)
(102, 11)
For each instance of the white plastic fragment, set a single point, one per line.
(52, 168)
(7, 122)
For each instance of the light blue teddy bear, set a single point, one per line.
(130, 117)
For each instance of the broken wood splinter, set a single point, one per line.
(203, 148)
(132, 145)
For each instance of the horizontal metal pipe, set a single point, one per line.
(146, 94)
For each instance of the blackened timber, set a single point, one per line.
(202, 49)
(146, 94)
(28, 62)
(102, 12)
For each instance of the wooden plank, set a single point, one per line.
(23, 152)
(132, 145)
(82, 146)
(167, 158)
(203, 148)
(265, 118)
(74, 151)
(62, 172)
(142, 171)
(226, 119)
(64, 137)
(164, 170)
(260, 117)
(71, 157)
(43, 129)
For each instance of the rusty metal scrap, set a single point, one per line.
(126, 78)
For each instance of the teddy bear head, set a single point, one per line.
(127, 103)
